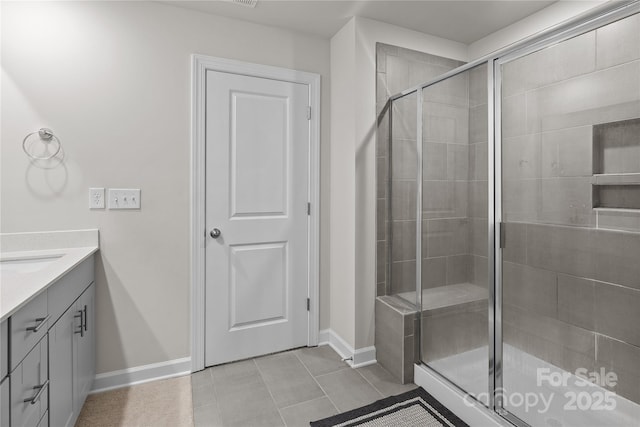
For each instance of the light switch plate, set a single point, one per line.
(124, 198)
(96, 198)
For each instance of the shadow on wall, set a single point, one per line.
(116, 316)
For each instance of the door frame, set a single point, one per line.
(200, 64)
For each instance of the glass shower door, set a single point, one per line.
(454, 251)
(570, 265)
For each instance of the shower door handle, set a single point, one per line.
(215, 233)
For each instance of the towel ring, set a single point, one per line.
(47, 136)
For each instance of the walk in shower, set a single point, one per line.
(512, 224)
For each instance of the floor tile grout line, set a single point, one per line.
(305, 401)
(332, 372)
(269, 390)
(215, 394)
(316, 380)
(369, 382)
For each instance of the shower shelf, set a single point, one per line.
(616, 179)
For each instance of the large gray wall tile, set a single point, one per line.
(616, 259)
(382, 177)
(382, 217)
(458, 269)
(404, 241)
(480, 271)
(452, 91)
(382, 258)
(591, 116)
(615, 85)
(576, 301)
(567, 201)
(514, 116)
(478, 85)
(515, 249)
(404, 158)
(556, 63)
(521, 200)
(479, 234)
(397, 70)
(434, 272)
(434, 161)
(457, 162)
(403, 200)
(550, 329)
(479, 124)
(567, 152)
(478, 161)
(617, 312)
(521, 157)
(623, 360)
(449, 334)
(445, 123)
(403, 117)
(403, 276)
(529, 288)
(438, 199)
(562, 249)
(478, 199)
(618, 42)
(442, 237)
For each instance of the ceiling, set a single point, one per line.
(462, 21)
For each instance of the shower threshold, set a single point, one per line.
(522, 373)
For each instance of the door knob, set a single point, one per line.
(215, 233)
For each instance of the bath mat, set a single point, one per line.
(413, 408)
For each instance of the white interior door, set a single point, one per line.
(257, 173)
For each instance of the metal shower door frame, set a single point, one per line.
(582, 24)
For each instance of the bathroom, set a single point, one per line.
(525, 179)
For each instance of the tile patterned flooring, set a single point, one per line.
(286, 389)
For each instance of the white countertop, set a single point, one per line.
(18, 288)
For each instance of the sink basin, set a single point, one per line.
(26, 265)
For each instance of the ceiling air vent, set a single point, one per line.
(245, 3)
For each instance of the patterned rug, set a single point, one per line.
(413, 408)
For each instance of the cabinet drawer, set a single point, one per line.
(4, 349)
(65, 291)
(30, 387)
(5, 404)
(28, 325)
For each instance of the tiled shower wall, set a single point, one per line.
(571, 287)
(397, 70)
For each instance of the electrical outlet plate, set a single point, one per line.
(124, 198)
(96, 198)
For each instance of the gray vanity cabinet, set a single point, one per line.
(5, 403)
(85, 347)
(72, 359)
(49, 343)
(29, 387)
(61, 361)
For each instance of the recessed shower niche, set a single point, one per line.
(616, 165)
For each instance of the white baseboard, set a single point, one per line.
(141, 374)
(355, 358)
(454, 400)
